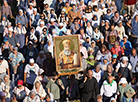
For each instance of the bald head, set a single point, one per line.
(90, 74)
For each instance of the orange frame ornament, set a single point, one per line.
(67, 54)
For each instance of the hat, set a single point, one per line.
(16, 48)
(5, 0)
(66, 42)
(63, 10)
(103, 5)
(31, 4)
(5, 39)
(9, 24)
(42, 22)
(119, 22)
(112, 99)
(125, 36)
(20, 82)
(1, 57)
(19, 22)
(30, 43)
(52, 20)
(123, 81)
(107, 21)
(105, 58)
(93, 41)
(124, 58)
(3, 16)
(35, 9)
(21, 10)
(31, 60)
(45, 2)
(41, 52)
(10, 29)
(123, 12)
(98, 66)
(91, 57)
(103, 21)
(61, 24)
(114, 56)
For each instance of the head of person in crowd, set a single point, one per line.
(112, 3)
(107, 23)
(37, 85)
(20, 12)
(125, 37)
(45, 30)
(31, 5)
(48, 55)
(55, 76)
(63, 13)
(31, 61)
(30, 45)
(99, 98)
(87, 40)
(74, 8)
(112, 27)
(93, 43)
(42, 24)
(3, 18)
(108, 11)
(1, 59)
(15, 50)
(97, 68)
(60, 25)
(81, 31)
(10, 30)
(124, 59)
(116, 45)
(54, 32)
(104, 60)
(5, 2)
(136, 18)
(102, 23)
(76, 21)
(35, 11)
(123, 82)
(2, 96)
(89, 9)
(110, 79)
(88, 23)
(5, 40)
(95, 17)
(32, 30)
(113, 100)
(91, 60)
(133, 51)
(109, 68)
(19, 24)
(104, 49)
(42, 16)
(96, 30)
(32, 94)
(6, 80)
(120, 23)
(49, 42)
(41, 54)
(114, 58)
(72, 77)
(67, 3)
(9, 25)
(20, 84)
(95, 8)
(52, 21)
(46, 6)
(52, 11)
(116, 15)
(103, 6)
(89, 74)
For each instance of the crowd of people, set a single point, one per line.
(108, 40)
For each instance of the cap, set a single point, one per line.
(3, 16)
(66, 42)
(1, 57)
(52, 20)
(114, 56)
(42, 22)
(125, 36)
(93, 41)
(103, 5)
(20, 82)
(91, 57)
(119, 22)
(16, 48)
(31, 4)
(30, 43)
(124, 58)
(123, 81)
(31, 60)
(5, 39)
(35, 9)
(21, 10)
(10, 29)
(19, 22)
(61, 24)
(63, 10)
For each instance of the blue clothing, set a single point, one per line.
(119, 4)
(127, 45)
(60, 31)
(86, 2)
(22, 18)
(86, 45)
(35, 19)
(108, 17)
(23, 5)
(134, 27)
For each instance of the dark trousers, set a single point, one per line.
(106, 99)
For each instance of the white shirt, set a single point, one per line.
(88, 15)
(123, 65)
(40, 29)
(30, 11)
(93, 3)
(108, 90)
(28, 67)
(19, 31)
(17, 90)
(4, 66)
(97, 75)
(121, 31)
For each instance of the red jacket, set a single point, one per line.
(130, 2)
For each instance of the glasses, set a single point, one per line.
(44, 31)
(19, 85)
